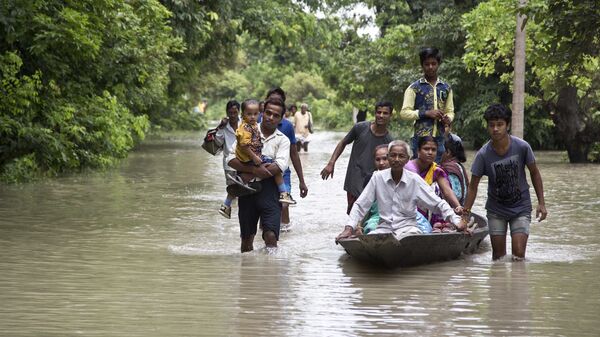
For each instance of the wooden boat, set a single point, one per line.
(415, 249)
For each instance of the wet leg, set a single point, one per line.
(519, 245)
(285, 215)
(270, 239)
(498, 246)
(247, 244)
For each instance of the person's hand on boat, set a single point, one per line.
(540, 212)
(346, 233)
(358, 231)
(466, 224)
(327, 171)
(461, 226)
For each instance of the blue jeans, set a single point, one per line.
(287, 179)
(498, 224)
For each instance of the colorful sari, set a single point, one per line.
(431, 175)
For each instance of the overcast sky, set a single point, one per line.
(371, 29)
(360, 9)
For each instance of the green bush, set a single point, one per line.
(594, 155)
(54, 134)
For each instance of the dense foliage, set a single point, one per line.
(563, 45)
(82, 81)
(78, 78)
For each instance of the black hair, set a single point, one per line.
(455, 147)
(428, 52)
(248, 102)
(379, 147)
(231, 104)
(278, 91)
(275, 101)
(425, 139)
(361, 116)
(497, 111)
(384, 104)
(292, 106)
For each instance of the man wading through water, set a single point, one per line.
(365, 136)
(264, 205)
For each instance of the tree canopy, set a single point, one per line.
(563, 44)
(83, 81)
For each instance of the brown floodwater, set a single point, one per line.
(141, 251)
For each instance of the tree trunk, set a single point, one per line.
(571, 125)
(578, 152)
(518, 103)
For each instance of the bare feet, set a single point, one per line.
(346, 233)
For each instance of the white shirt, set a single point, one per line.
(276, 147)
(301, 124)
(398, 203)
(226, 136)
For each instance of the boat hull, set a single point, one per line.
(411, 250)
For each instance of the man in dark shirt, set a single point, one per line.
(366, 136)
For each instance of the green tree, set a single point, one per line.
(78, 78)
(563, 47)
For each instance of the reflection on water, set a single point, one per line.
(142, 251)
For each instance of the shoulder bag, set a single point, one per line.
(210, 143)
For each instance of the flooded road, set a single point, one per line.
(141, 251)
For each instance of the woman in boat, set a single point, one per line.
(381, 163)
(452, 161)
(433, 175)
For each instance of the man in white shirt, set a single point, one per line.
(264, 205)
(226, 136)
(398, 193)
(302, 127)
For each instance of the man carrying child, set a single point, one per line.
(249, 149)
(264, 205)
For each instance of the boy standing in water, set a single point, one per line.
(503, 160)
(249, 149)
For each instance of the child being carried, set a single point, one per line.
(249, 149)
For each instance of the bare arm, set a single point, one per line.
(471, 194)
(538, 185)
(253, 156)
(263, 171)
(298, 168)
(328, 170)
(447, 192)
(223, 122)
